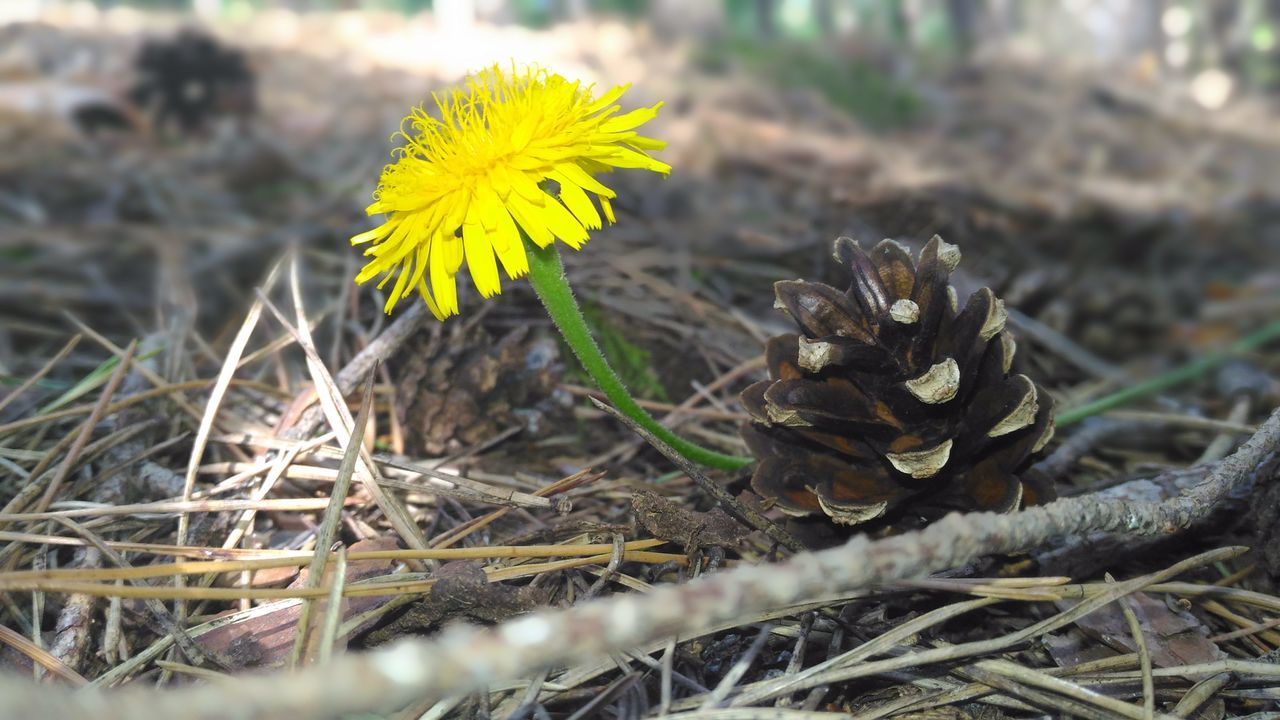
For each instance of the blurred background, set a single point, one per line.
(1111, 167)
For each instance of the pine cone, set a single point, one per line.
(191, 79)
(464, 391)
(891, 399)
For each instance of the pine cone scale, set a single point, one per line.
(992, 489)
(821, 310)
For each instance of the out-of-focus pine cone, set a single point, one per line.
(891, 400)
(468, 388)
(1113, 310)
(191, 79)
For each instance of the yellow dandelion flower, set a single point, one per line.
(465, 184)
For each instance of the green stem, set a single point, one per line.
(1177, 376)
(546, 274)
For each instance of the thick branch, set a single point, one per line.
(464, 658)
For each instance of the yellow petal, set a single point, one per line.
(624, 158)
(522, 133)
(455, 210)
(575, 174)
(377, 233)
(524, 185)
(509, 246)
(562, 223)
(498, 181)
(484, 270)
(580, 205)
(422, 259)
(528, 162)
(391, 239)
(490, 209)
(451, 246)
(431, 303)
(412, 267)
(398, 291)
(443, 286)
(607, 99)
(370, 269)
(628, 121)
(641, 142)
(401, 242)
(527, 217)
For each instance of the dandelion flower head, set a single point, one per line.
(465, 184)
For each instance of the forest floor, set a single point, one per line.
(1128, 230)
